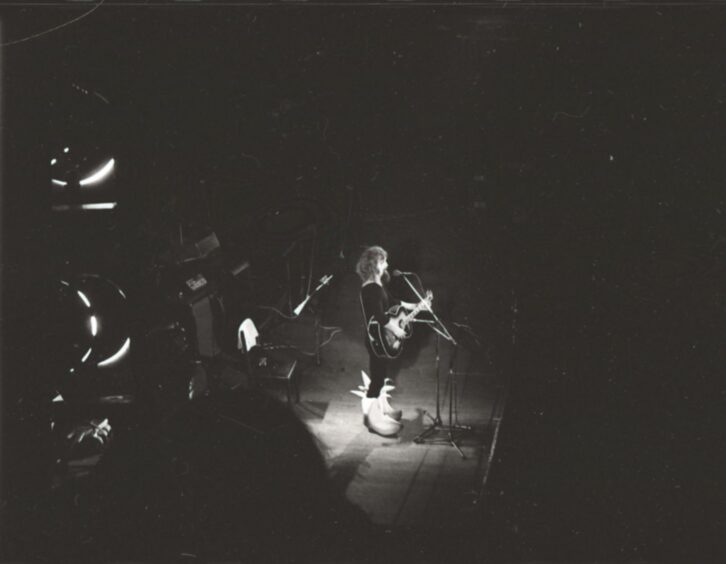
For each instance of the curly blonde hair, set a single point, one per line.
(368, 261)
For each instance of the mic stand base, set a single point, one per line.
(436, 427)
(437, 422)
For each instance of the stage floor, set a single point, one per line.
(396, 481)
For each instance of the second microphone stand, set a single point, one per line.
(301, 306)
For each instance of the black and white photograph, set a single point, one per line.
(362, 282)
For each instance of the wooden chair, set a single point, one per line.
(268, 364)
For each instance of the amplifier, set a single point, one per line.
(188, 283)
(206, 323)
(196, 248)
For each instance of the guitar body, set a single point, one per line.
(383, 346)
(398, 317)
(384, 343)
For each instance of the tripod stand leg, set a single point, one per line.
(434, 420)
(424, 435)
(421, 437)
(456, 446)
(453, 442)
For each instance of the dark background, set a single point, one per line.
(583, 146)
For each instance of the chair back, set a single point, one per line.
(247, 335)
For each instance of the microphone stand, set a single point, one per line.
(437, 423)
(443, 331)
(299, 308)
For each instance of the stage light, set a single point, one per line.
(117, 355)
(99, 206)
(85, 207)
(82, 152)
(90, 325)
(99, 175)
(84, 298)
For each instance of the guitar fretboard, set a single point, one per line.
(414, 312)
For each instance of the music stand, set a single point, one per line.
(437, 423)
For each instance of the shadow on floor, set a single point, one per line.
(234, 476)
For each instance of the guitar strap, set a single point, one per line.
(363, 311)
(366, 324)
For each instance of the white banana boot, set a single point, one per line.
(383, 398)
(374, 410)
(362, 392)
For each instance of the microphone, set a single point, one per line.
(323, 281)
(300, 306)
(397, 273)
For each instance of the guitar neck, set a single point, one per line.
(415, 311)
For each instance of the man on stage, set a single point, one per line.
(378, 415)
